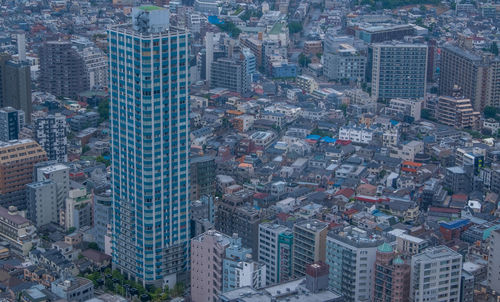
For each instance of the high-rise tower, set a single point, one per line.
(149, 139)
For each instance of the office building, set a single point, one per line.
(202, 176)
(309, 243)
(62, 71)
(208, 7)
(458, 179)
(17, 159)
(51, 133)
(42, 203)
(231, 74)
(467, 286)
(15, 85)
(285, 256)
(398, 70)
(11, 123)
(457, 112)
(351, 255)
(17, 231)
(477, 74)
(150, 152)
(392, 276)
(269, 250)
(435, 275)
(307, 83)
(239, 270)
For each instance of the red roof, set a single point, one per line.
(260, 195)
(350, 212)
(371, 199)
(459, 197)
(347, 192)
(282, 216)
(443, 210)
(343, 142)
(411, 163)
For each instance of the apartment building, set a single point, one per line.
(309, 242)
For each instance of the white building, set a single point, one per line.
(404, 107)
(78, 212)
(408, 151)
(351, 255)
(356, 135)
(307, 83)
(96, 67)
(262, 138)
(435, 275)
(268, 250)
(59, 174)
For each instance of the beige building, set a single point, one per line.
(17, 159)
(408, 244)
(17, 230)
(309, 244)
(457, 112)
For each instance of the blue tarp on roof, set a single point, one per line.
(215, 20)
(313, 137)
(328, 139)
(394, 123)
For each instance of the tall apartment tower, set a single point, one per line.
(17, 160)
(15, 85)
(149, 141)
(399, 70)
(351, 254)
(309, 243)
(50, 133)
(476, 73)
(435, 275)
(62, 71)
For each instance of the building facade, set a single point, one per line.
(15, 85)
(351, 255)
(17, 159)
(11, 123)
(399, 70)
(392, 276)
(269, 250)
(309, 243)
(150, 146)
(51, 134)
(435, 275)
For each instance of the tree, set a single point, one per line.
(294, 27)
(101, 159)
(93, 246)
(494, 48)
(230, 28)
(85, 148)
(103, 110)
(490, 112)
(304, 60)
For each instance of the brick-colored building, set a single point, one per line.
(17, 159)
(392, 276)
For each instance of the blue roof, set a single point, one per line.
(215, 20)
(313, 137)
(328, 139)
(394, 123)
(454, 224)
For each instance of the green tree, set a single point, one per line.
(304, 60)
(490, 112)
(93, 246)
(70, 230)
(230, 28)
(101, 159)
(494, 48)
(294, 27)
(103, 110)
(85, 148)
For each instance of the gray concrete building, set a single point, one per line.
(309, 244)
(42, 202)
(399, 70)
(50, 133)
